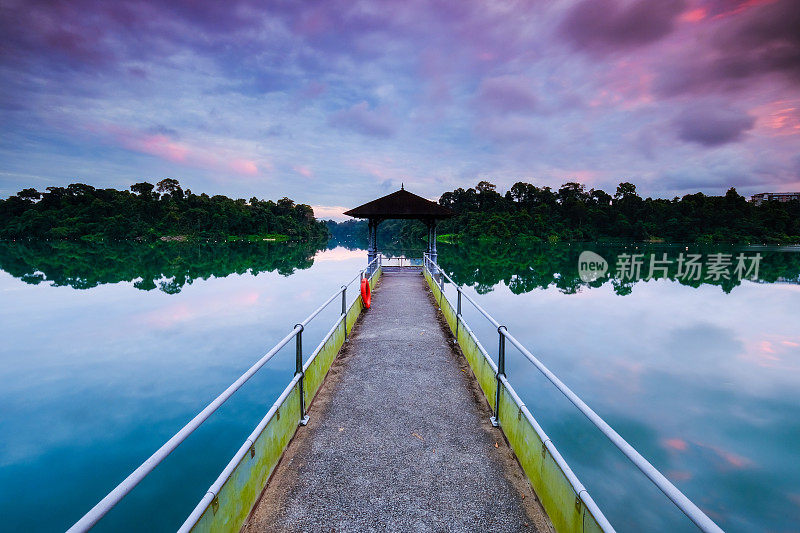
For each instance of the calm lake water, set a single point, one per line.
(108, 350)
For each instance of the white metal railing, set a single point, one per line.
(695, 514)
(120, 491)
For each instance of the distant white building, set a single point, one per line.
(758, 199)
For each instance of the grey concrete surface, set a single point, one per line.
(399, 438)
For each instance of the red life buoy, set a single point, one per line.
(366, 293)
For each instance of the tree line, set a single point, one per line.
(573, 213)
(148, 212)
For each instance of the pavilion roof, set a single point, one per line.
(401, 204)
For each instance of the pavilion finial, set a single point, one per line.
(401, 186)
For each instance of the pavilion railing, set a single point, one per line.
(402, 261)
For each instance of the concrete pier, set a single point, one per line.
(399, 437)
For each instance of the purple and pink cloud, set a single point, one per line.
(336, 102)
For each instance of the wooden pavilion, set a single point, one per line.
(405, 205)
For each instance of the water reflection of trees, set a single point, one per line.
(389, 248)
(524, 268)
(166, 266)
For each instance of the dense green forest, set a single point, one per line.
(394, 235)
(148, 212)
(573, 213)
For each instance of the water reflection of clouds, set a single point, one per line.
(787, 287)
(775, 352)
(678, 475)
(721, 458)
(619, 373)
(83, 366)
(340, 253)
(714, 377)
(676, 444)
(703, 334)
(201, 306)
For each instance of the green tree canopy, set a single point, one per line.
(148, 212)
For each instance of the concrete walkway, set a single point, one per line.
(399, 437)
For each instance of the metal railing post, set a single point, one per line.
(344, 310)
(441, 287)
(458, 310)
(501, 371)
(299, 370)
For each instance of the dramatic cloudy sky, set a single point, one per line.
(334, 103)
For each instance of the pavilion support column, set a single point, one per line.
(372, 226)
(375, 239)
(432, 240)
(428, 246)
